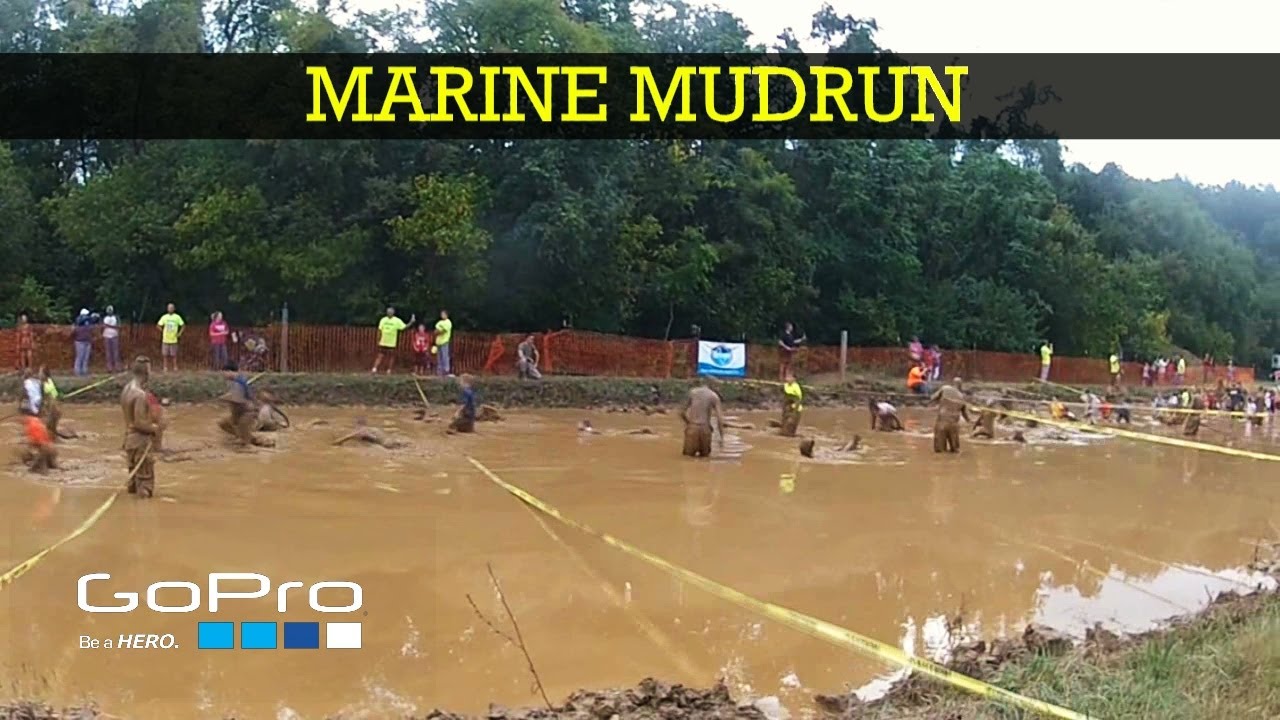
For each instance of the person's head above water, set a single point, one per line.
(465, 380)
(231, 369)
(141, 367)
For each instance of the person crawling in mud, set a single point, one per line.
(143, 429)
(884, 416)
(985, 425)
(39, 455)
(270, 419)
(370, 435)
(242, 415)
(951, 408)
(702, 405)
(464, 420)
(792, 395)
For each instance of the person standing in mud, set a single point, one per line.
(464, 420)
(243, 416)
(141, 430)
(951, 408)
(527, 360)
(50, 410)
(792, 397)
(702, 405)
(1191, 426)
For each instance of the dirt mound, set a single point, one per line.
(650, 700)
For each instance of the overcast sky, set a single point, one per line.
(1081, 26)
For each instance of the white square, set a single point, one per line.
(342, 636)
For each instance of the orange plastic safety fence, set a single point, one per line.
(328, 348)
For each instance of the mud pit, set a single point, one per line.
(892, 541)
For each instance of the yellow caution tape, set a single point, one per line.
(23, 567)
(91, 386)
(804, 623)
(1147, 437)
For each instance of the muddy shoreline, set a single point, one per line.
(916, 697)
(550, 392)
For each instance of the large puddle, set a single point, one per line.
(893, 542)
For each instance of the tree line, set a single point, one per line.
(967, 244)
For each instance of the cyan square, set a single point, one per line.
(216, 635)
(302, 635)
(258, 636)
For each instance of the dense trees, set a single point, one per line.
(965, 244)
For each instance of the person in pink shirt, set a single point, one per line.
(421, 350)
(218, 332)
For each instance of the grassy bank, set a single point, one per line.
(364, 389)
(1223, 663)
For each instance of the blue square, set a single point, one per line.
(301, 636)
(258, 636)
(216, 635)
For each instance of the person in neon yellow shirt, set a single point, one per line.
(389, 328)
(1046, 359)
(792, 397)
(444, 343)
(171, 326)
(1114, 363)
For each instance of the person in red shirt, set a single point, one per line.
(218, 332)
(421, 350)
(40, 454)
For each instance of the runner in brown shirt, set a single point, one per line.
(141, 430)
(703, 403)
(951, 407)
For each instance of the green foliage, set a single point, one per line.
(965, 244)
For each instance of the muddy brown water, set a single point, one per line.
(889, 542)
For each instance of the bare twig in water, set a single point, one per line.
(518, 641)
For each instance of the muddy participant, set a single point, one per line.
(242, 416)
(702, 405)
(884, 416)
(39, 454)
(269, 419)
(50, 408)
(985, 425)
(141, 430)
(527, 360)
(373, 436)
(951, 408)
(1192, 424)
(792, 395)
(464, 420)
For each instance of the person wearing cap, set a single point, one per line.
(82, 335)
(111, 340)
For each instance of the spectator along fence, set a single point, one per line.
(328, 348)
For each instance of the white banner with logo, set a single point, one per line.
(722, 359)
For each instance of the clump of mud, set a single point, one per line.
(650, 700)
(39, 711)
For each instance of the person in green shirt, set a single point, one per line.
(171, 326)
(50, 409)
(444, 340)
(792, 396)
(1046, 359)
(389, 328)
